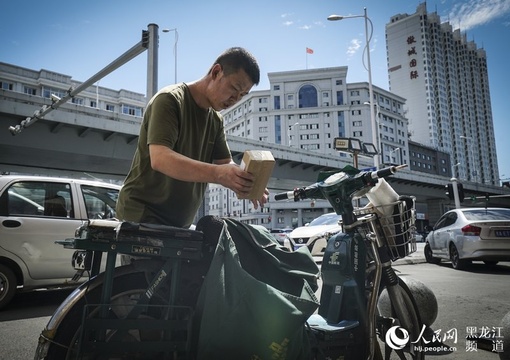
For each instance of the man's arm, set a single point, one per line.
(180, 167)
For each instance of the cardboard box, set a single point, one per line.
(260, 163)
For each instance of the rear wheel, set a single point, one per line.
(128, 287)
(7, 285)
(457, 262)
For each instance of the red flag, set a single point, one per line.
(309, 51)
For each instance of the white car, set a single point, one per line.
(315, 235)
(467, 234)
(34, 213)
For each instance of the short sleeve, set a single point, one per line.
(163, 121)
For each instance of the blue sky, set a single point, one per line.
(80, 38)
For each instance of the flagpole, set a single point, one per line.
(308, 51)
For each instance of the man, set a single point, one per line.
(182, 145)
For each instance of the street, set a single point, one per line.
(477, 297)
(474, 298)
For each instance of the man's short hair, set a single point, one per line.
(236, 58)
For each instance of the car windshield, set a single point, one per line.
(328, 219)
(487, 214)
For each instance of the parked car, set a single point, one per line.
(464, 235)
(315, 235)
(34, 213)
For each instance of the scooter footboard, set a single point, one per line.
(344, 340)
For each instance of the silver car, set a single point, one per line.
(463, 235)
(34, 213)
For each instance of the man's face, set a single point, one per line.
(229, 89)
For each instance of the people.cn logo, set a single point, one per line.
(397, 337)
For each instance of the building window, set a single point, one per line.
(29, 90)
(110, 107)
(277, 102)
(6, 86)
(276, 87)
(308, 97)
(46, 92)
(339, 97)
(339, 82)
(132, 110)
(77, 101)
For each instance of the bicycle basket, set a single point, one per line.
(394, 223)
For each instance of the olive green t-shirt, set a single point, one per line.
(172, 119)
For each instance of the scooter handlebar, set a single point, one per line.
(302, 193)
(387, 171)
(284, 196)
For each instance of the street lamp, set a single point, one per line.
(394, 151)
(368, 67)
(355, 147)
(175, 50)
(453, 169)
(290, 128)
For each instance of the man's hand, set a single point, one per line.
(261, 201)
(231, 176)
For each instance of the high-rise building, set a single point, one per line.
(444, 79)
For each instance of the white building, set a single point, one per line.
(307, 109)
(445, 82)
(44, 83)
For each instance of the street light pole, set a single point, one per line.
(175, 50)
(378, 143)
(453, 169)
(368, 67)
(290, 128)
(395, 151)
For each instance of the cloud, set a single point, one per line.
(305, 27)
(473, 13)
(288, 23)
(354, 45)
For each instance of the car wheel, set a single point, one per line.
(7, 285)
(429, 257)
(490, 262)
(457, 262)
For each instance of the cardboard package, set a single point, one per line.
(260, 163)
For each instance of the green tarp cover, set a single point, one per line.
(256, 298)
